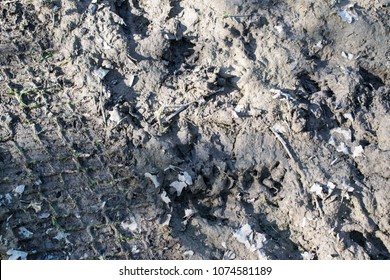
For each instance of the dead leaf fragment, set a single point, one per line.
(178, 186)
(165, 198)
(153, 178)
(17, 255)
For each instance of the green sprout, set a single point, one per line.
(46, 56)
(20, 96)
(226, 15)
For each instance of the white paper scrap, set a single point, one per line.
(317, 189)
(165, 198)
(153, 178)
(16, 254)
(19, 189)
(178, 186)
(25, 232)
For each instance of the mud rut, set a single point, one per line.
(76, 143)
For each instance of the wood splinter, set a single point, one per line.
(284, 144)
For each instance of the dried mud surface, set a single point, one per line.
(220, 129)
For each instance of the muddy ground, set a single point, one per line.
(224, 129)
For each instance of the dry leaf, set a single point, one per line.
(165, 198)
(178, 186)
(185, 177)
(229, 255)
(357, 151)
(243, 234)
(188, 253)
(16, 254)
(19, 189)
(62, 235)
(307, 256)
(25, 232)
(36, 206)
(101, 73)
(153, 178)
(317, 189)
(130, 226)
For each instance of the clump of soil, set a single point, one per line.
(194, 129)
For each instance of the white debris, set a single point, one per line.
(307, 256)
(357, 151)
(153, 178)
(62, 236)
(107, 64)
(303, 222)
(8, 198)
(280, 94)
(25, 233)
(346, 133)
(188, 213)
(185, 177)
(117, 19)
(348, 16)
(347, 187)
(320, 45)
(101, 73)
(348, 56)
(348, 116)
(331, 186)
(106, 46)
(239, 108)
(167, 221)
(165, 198)
(130, 81)
(229, 255)
(44, 216)
(223, 243)
(36, 206)
(188, 253)
(279, 28)
(172, 167)
(340, 146)
(178, 186)
(19, 189)
(134, 250)
(244, 234)
(259, 241)
(279, 128)
(130, 226)
(317, 189)
(115, 116)
(16, 254)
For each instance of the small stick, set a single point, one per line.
(120, 121)
(178, 111)
(284, 144)
(101, 105)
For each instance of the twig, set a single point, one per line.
(120, 121)
(180, 108)
(178, 111)
(284, 144)
(102, 106)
